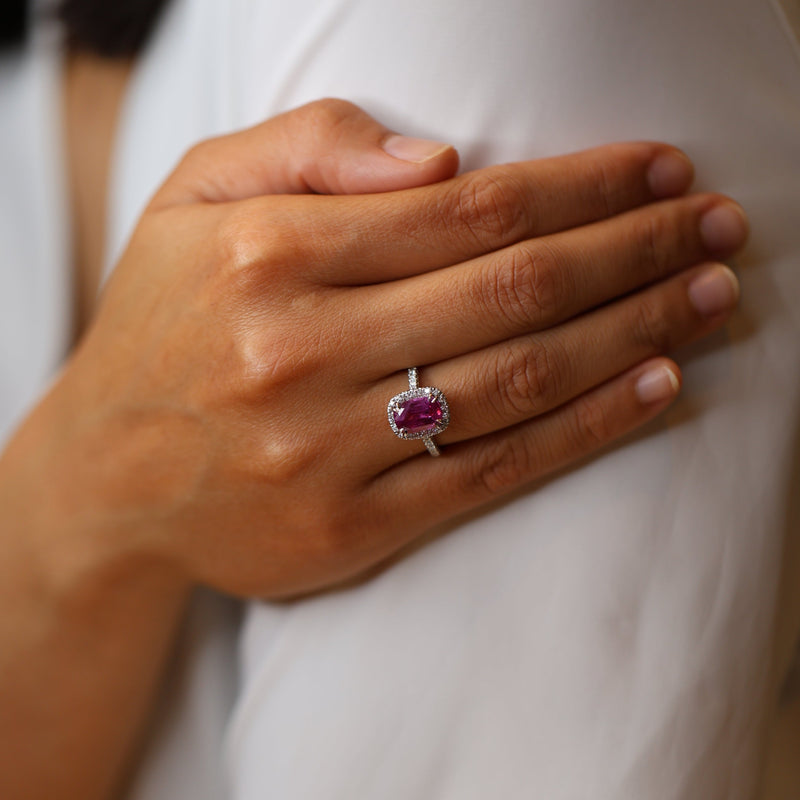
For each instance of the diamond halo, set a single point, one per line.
(419, 413)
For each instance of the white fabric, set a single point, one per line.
(622, 630)
(34, 279)
(35, 333)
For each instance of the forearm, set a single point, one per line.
(84, 633)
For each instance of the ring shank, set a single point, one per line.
(431, 445)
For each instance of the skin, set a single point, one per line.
(222, 422)
(93, 89)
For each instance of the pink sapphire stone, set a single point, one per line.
(419, 415)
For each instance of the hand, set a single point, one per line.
(226, 411)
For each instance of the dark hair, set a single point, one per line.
(13, 22)
(111, 28)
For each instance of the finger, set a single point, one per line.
(536, 284)
(360, 240)
(516, 380)
(485, 469)
(327, 147)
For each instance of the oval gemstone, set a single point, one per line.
(419, 415)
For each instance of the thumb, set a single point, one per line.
(326, 147)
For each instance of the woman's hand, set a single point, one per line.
(227, 411)
(224, 420)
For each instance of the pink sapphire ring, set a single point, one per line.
(419, 413)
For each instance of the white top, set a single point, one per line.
(621, 631)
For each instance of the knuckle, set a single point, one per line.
(591, 422)
(286, 458)
(528, 285)
(651, 327)
(265, 358)
(490, 207)
(603, 177)
(326, 121)
(249, 249)
(501, 467)
(526, 378)
(655, 235)
(274, 366)
(328, 112)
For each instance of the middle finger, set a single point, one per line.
(542, 282)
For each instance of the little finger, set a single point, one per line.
(488, 468)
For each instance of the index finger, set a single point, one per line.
(398, 234)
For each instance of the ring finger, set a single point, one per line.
(516, 380)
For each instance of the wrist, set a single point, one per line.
(89, 617)
(65, 512)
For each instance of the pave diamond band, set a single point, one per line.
(420, 413)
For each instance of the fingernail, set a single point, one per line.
(724, 228)
(670, 174)
(657, 384)
(714, 291)
(407, 148)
